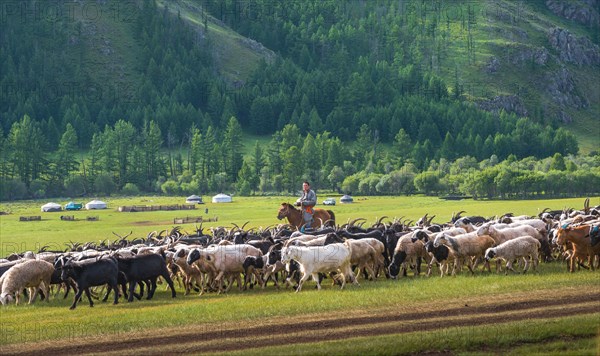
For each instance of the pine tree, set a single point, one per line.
(65, 155)
(26, 145)
(232, 148)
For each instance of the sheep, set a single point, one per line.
(504, 234)
(254, 266)
(32, 274)
(272, 269)
(308, 240)
(470, 246)
(5, 266)
(520, 247)
(465, 223)
(441, 254)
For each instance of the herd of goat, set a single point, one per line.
(213, 262)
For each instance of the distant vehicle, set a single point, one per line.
(329, 201)
(74, 206)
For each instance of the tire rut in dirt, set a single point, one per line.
(374, 325)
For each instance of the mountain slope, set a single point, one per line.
(340, 65)
(536, 58)
(236, 57)
(531, 61)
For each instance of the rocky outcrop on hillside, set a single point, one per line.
(562, 90)
(527, 55)
(258, 47)
(508, 103)
(517, 55)
(582, 11)
(572, 49)
(492, 65)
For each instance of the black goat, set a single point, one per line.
(253, 265)
(440, 254)
(91, 273)
(141, 268)
(262, 245)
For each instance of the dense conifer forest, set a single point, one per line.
(361, 97)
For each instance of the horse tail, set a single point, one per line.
(331, 221)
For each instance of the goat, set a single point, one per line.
(90, 273)
(407, 250)
(142, 268)
(226, 259)
(312, 260)
(470, 246)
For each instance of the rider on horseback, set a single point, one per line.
(308, 200)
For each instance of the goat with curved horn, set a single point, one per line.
(430, 220)
(380, 220)
(586, 206)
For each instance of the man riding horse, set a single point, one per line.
(307, 201)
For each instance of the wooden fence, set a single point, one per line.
(73, 218)
(194, 219)
(30, 218)
(138, 208)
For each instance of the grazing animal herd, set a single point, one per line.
(214, 261)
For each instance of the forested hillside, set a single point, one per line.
(159, 94)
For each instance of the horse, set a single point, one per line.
(321, 217)
(583, 245)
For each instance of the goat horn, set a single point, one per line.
(380, 220)
(246, 223)
(586, 206)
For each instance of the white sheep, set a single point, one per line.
(520, 247)
(32, 274)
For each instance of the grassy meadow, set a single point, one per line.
(259, 212)
(43, 323)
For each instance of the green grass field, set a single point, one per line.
(54, 321)
(259, 212)
(44, 324)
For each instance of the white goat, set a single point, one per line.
(320, 259)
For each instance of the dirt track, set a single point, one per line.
(314, 328)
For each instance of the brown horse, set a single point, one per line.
(582, 243)
(321, 217)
